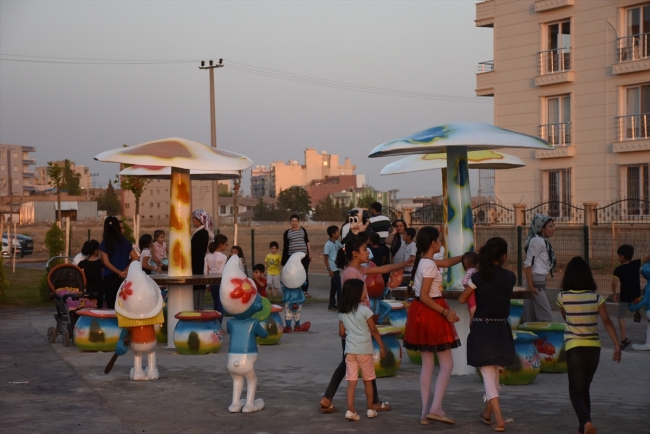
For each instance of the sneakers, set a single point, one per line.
(332, 309)
(351, 416)
(371, 413)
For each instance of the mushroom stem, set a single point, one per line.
(445, 226)
(180, 209)
(460, 224)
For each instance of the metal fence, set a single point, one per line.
(391, 213)
(492, 213)
(562, 212)
(428, 215)
(629, 211)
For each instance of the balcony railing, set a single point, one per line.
(552, 61)
(633, 47)
(634, 127)
(487, 66)
(556, 134)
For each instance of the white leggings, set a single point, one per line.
(490, 381)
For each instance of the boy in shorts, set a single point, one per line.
(626, 277)
(273, 260)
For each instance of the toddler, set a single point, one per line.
(470, 264)
(273, 260)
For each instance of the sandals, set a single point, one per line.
(352, 416)
(625, 344)
(497, 428)
(382, 406)
(330, 409)
(485, 420)
(443, 419)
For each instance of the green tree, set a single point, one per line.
(267, 213)
(57, 180)
(134, 184)
(109, 201)
(55, 243)
(128, 230)
(71, 179)
(328, 211)
(295, 200)
(365, 201)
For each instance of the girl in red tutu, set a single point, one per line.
(429, 326)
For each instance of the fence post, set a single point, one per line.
(586, 242)
(520, 262)
(406, 214)
(253, 247)
(520, 215)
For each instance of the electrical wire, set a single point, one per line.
(250, 69)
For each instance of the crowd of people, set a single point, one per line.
(386, 247)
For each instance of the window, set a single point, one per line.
(557, 190)
(232, 209)
(158, 204)
(15, 168)
(557, 57)
(634, 45)
(222, 209)
(635, 185)
(557, 127)
(15, 154)
(127, 205)
(2, 167)
(633, 125)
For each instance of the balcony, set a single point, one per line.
(633, 133)
(28, 175)
(29, 161)
(554, 67)
(485, 13)
(633, 54)
(547, 5)
(485, 79)
(556, 134)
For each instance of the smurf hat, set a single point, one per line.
(237, 292)
(293, 273)
(138, 297)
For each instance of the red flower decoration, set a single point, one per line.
(243, 290)
(126, 290)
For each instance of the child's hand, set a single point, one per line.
(617, 355)
(382, 352)
(451, 316)
(616, 298)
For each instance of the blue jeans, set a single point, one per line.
(214, 290)
(335, 290)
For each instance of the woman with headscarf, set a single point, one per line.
(540, 261)
(117, 254)
(201, 237)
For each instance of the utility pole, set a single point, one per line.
(213, 130)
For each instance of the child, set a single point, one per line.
(330, 250)
(357, 328)
(352, 260)
(470, 264)
(236, 250)
(159, 251)
(429, 325)
(92, 269)
(214, 263)
(490, 344)
(581, 306)
(260, 281)
(409, 237)
(145, 243)
(627, 276)
(273, 260)
(380, 252)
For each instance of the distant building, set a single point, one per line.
(269, 182)
(42, 180)
(350, 198)
(16, 178)
(319, 189)
(576, 73)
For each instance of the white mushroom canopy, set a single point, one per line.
(472, 135)
(162, 172)
(179, 153)
(475, 159)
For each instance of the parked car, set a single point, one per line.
(5, 249)
(26, 243)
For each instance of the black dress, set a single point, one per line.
(490, 337)
(200, 242)
(93, 273)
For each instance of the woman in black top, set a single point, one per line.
(296, 240)
(201, 237)
(490, 344)
(92, 268)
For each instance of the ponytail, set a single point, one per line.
(344, 255)
(425, 237)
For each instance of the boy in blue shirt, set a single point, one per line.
(330, 251)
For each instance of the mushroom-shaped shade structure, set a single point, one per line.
(456, 139)
(475, 159)
(162, 172)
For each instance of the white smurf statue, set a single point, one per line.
(292, 278)
(138, 307)
(239, 297)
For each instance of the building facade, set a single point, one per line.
(42, 180)
(16, 178)
(269, 182)
(576, 73)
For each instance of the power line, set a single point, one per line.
(250, 69)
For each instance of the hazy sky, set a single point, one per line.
(75, 111)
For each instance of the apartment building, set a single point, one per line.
(269, 182)
(16, 179)
(42, 180)
(576, 73)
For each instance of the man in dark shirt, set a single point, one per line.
(627, 277)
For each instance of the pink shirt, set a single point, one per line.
(160, 251)
(352, 273)
(471, 301)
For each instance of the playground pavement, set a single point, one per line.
(49, 388)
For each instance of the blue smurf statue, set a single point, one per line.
(292, 278)
(239, 297)
(643, 303)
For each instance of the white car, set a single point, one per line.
(16, 246)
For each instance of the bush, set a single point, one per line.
(55, 241)
(128, 231)
(4, 283)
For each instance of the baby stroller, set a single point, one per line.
(68, 290)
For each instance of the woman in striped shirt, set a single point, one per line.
(295, 240)
(580, 306)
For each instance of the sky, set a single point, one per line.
(55, 95)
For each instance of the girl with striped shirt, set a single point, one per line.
(581, 306)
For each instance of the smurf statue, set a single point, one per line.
(377, 290)
(292, 278)
(643, 303)
(138, 307)
(239, 298)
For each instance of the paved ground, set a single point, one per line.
(48, 388)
